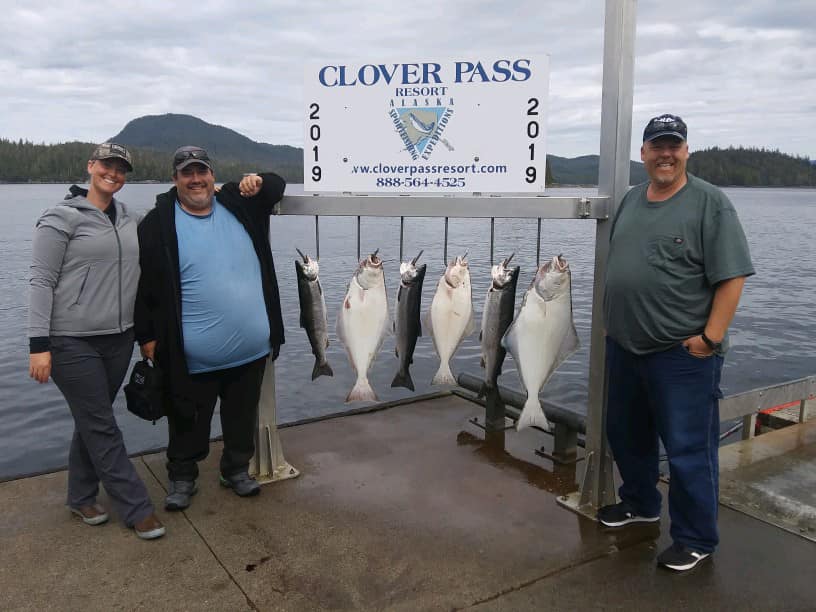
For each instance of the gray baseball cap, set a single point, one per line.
(109, 150)
(190, 154)
(665, 125)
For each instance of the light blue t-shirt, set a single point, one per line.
(223, 314)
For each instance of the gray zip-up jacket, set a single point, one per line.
(84, 271)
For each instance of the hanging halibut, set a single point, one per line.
(500, 304)
(313, 312)
(363, 323)
(542, 336)
(407, 326)
(450, 318)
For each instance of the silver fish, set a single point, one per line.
(500, 304)
(407, 325)
(313, 312)
(542, 335)
(363, 323)
(450, 318)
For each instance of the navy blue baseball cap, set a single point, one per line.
(665, 125)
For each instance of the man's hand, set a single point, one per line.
(275, 351)
(148, 350)
(39, 366)
(250, 185)
(697, 347)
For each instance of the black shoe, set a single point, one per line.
(242, 483)
(679, 558)
(179, 493)
(622, 514)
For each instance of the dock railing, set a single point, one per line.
(748, 404)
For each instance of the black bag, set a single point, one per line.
(144, 393)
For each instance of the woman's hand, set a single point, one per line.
(39, 366)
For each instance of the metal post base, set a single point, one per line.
(572, 501)
(558, 458)
(268, 464)
(509, 424)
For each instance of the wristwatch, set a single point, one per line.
(714, 346)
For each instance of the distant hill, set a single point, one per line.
(583, 170)
(167, 132)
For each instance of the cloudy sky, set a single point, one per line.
(739, 73)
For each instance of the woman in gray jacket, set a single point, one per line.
(84, 273)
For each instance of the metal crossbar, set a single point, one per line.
(463, 206)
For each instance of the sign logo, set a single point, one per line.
(421, 128)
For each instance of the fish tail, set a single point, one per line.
(403, 379)
(532, 415)
(321, 369)
(443, 376)
(361, 392)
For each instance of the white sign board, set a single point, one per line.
(462, 125)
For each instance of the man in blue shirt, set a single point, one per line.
(208, 312)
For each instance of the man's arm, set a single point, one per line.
(726, 298)
(145, 294)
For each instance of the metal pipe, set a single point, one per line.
(492, 237)
(538, 245)
(445, 251)
(402, 234)
(358, 238)
(317, 237)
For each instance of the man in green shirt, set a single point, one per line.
(677, 264)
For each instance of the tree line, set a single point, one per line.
(25, 162)
(752, 167)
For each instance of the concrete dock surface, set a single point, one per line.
(407, 508)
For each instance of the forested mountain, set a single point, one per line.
(152, 140)
(167, 132)
(752, 168)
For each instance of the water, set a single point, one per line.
(772, 331)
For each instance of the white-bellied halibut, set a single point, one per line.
(499, 307)
(407, 325)
(313, 312)
(450, 318)
(542, 335)
(363, 323)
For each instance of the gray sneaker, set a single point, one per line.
(242, 483)
(179, 493)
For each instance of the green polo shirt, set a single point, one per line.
(665, 260)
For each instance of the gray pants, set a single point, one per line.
(89, 371)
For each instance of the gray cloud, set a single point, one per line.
(739, 73)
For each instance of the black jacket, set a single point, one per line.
(158, 300)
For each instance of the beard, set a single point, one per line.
(199, 202)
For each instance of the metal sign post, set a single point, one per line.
(268, 464)
(597, 487)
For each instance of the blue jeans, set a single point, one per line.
(673, 395)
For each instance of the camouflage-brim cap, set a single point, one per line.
(110, 150)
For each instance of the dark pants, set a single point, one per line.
(89, 371)
(239, 390)
(673, 395)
